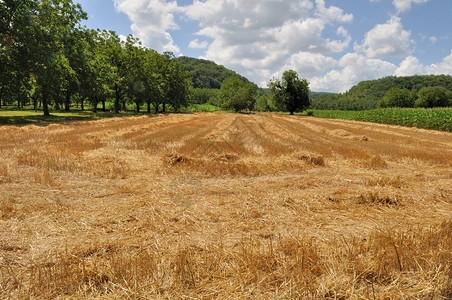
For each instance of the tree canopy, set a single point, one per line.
(291, 92)
(206, 74)
(368, 94)
(237, 94)
(48, 57)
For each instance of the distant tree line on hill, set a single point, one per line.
(206, 74)
(48, 58)
(369, 94)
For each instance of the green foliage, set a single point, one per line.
(265, 101)
(207, 74)
(429, 97)
(437, 118)
(291, 93)
(397, 97)
(46, 56)
(202, 96)
(366, 94)
(201, 108)
(237, 95)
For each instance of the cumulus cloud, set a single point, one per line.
(410, 66)
(262, 34)
(196, 44)
(444, 67)
(263, 38)
(404, 5)
(387, 40)
(332, 13)
(151, 21)
(353, 68)
(307, 64)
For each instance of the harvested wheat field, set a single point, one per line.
(225, 206)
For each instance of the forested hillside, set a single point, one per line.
(366, 94)
(206, 74)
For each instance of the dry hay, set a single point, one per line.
(225, 206)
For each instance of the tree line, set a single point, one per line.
(289, 94)
(207, 74)
(48, 58)
(369, 94)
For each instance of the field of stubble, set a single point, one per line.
(225, 206)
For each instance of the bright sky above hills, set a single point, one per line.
(333, 43)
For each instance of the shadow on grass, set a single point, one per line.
(41, 120)
(30, 117)
(26, 117)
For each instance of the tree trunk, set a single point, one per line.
(164, 108)
(1, 95)
(67, 101)
(95, 102)
(82, 104)
(35, 103)
(149, 107)
(45, 105)
(103, 105)
(117, 98)
(138, 106)
(124, 105)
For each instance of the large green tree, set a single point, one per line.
(53, 22)
(397, 97)
(179, 85)
(237, 94)
(98, 77)
(434, 96)
(16, 20)
(47, 56)
(291, 92)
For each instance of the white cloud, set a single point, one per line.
(259, 35)
(410, 66)
(387, 40)
(151, 20)
(444, 67)
(404, 5)
(353, 68)
(307, 64)
(262, 38)
(332, 13)
(196, 44)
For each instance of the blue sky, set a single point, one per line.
(333, 43)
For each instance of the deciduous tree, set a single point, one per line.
(397, 97)
(237, 95)
(291, 92)
(435, 96)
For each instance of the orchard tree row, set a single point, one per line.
(48, 58)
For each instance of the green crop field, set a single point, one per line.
(436, 118)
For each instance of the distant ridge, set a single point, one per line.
(366, 94)
(207, 74)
